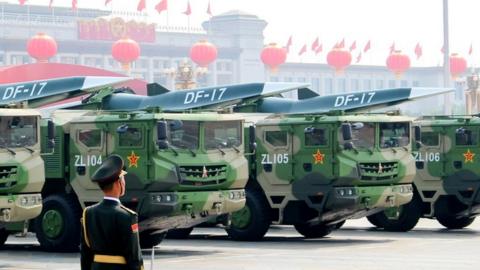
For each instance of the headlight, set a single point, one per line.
(168, 198)
(24, 201)
(231, 195)
(349, 192)
(341, 192)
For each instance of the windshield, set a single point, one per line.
(18, 131)
(394, 134)
(226, 134)
(183, 134)
(363, 136)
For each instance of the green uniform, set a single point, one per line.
(110, 237)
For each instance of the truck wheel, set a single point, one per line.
(373, 219)
(339, 225)
(314, 231)
(408, 216)
(3, 236)
(446, 215)
(179, 233)
(149, 240)
(58, 225)
(251, 223)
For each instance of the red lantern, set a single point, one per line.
(339, 58)
(42, 47)
(458, 65)
(398, 63)
(125, 51)
(203, 53)
(273, 56)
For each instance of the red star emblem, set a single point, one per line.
(133, 160)
(318, 157)
(468, 156)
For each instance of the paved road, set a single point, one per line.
(356, 246)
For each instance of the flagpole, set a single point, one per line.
(446, 59)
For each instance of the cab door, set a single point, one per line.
(463, 152)
(274, 155)
(430, 157)
(87, 148)
(312, 149)
(131, 141)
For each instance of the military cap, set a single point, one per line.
(110, 170)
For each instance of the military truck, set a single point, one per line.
(315, 171)
(446, 186)
(182, 169)
(22, 174)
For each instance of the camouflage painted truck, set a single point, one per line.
(447, 183)
(316, 171)
(182, 170)
(22, 173)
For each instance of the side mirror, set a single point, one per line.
(346, 131)
(418, 133)
(51, 134)
(162, 135)
(309, 130)
(357, 126)
(251, 139)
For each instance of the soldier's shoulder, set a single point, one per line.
(128, 210)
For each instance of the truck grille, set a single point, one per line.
(378, 171)
(203, 175)
(8, 176)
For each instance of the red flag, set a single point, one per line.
(209, 9)
(289, 42)
(367, 47)
(22, 2)
(470, 51)
(418, 50)
(162, 6)
(74, 4)
(442, 50)
(319, 49)
(188, 11)
(107, 1)
(303, 50)
(353, 46)
(141, 5)
(341, 44)
(50, 5)
(392, 47)
(315, 44)
(359, 57)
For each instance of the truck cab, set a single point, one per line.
(183, 169)
(22, 173)
(316, 171)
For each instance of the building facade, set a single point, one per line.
(238, 37)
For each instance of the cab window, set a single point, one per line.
(131, 137)
(316, 137)
(276, 138)
(465, 137)
(90, 137)
(430, 138)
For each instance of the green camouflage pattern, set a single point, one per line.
(169, 188)
(448, 166)
(22, 174)
(304, 181)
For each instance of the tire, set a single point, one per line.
(339, 225)
(409, 215)
(373, 219)
(179, 233)
(446, 214)
(148, 240)
(314, 231)
(253, 221)
(3, 236)
(58, 225)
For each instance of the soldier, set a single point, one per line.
(109, 229)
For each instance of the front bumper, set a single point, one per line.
(20, 207)
(168, 210)
(356, 202)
